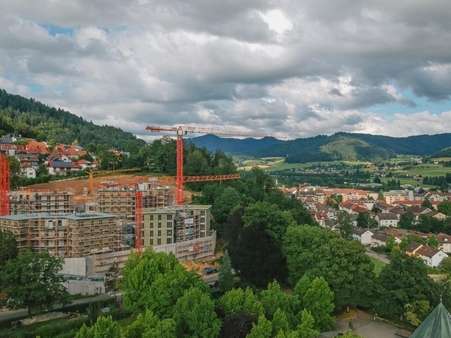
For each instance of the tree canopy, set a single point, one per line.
(31, 280)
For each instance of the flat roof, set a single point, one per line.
(174, 208)
(73, 216)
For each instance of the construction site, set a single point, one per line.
(95, 223)
(65, 235)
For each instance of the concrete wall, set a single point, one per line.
(75, 266)
(85, 287)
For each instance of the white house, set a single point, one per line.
(28, 172)
(387, 219)
(364, 236)
(431, 256)
(444, 242)
(379, 239)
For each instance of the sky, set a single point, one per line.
(286, 68)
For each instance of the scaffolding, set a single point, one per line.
(34, 202)
(4, 185)
(65, 235)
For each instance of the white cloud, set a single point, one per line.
(286, 68)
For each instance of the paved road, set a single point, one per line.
(23, 313)
(364, 325)
(381, 257)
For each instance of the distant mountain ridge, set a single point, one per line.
(339, 146)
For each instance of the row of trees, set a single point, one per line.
(427, 223)
(168, 301)
(160, 157)
(441, 181)
(29, 280)
(269, 237)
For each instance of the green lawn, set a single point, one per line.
(378, 265)
(428, 170)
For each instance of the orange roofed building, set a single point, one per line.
(37, 147)
(71, 151)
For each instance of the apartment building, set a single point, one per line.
(183, 230)
(65, 235)
(394, 196)
(121, 200)
(34, 202)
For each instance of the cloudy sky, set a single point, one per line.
(286, 68)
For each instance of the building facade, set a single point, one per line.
(183, 230)
(49, 202)
(121, 200)
(65, 235)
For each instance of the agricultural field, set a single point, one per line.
(427, 170)
(266, 163)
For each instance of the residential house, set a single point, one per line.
(61, 167)
(387, 219)
(444, 242)
(36, 147)
(430, 256)
(379, 239)
(438, 215)
(393, 196)
(412, 248)
(436, 196)
(364, 236)
(28, 172)
(71, 151)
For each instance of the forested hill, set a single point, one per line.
(340, 146)
(31, 118)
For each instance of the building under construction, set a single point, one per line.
(183, 230)
(36, 202)
(121, 200)
(65, 235)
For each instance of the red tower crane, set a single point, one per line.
(4, 185)
(138, 220)
(182, 131)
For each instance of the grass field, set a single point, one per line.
(426, 170)
(282, 165)
(378, 265)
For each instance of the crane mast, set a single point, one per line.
(180, 132)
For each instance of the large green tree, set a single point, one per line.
(256, 248)
(445, 207)
(315, 296)
(195, 315)
(344, 221)
(104, 327)
(31, 280)
(225, 274)
(274, 298)
(238, 301)
(261, 329)
(404, 281)
(155, 281)
(8, 247)
(406, 220)
(342, 263)
(148, 325)
(223, 205)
